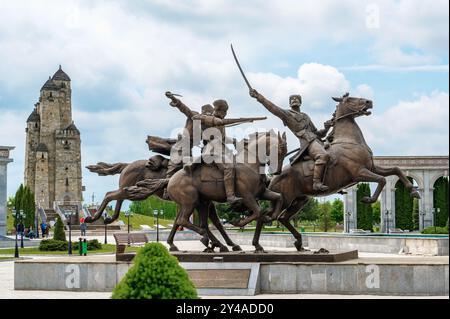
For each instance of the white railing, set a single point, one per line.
(59, 212)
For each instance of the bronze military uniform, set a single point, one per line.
(302, 126)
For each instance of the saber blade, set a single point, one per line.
(240, 69)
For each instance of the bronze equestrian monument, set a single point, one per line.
(330, 159)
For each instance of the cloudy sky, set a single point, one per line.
(123, 55)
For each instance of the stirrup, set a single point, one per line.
(233, 199)
(320, 187)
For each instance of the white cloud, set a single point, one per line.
(184, 47)
(418, 127)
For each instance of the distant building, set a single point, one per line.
(53, 153)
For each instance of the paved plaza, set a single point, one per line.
(7, 278)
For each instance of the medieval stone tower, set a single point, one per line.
(53, 154)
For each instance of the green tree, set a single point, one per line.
(325, 219)
(364, 211)
(415, 214)
(29, 207)
(59, 233)
(403, 207)
(155, 275)
(376, 210)
(440, 200)
(310, 211)
(337, 211)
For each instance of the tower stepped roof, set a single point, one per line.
(50, 85)
(34, 116)
(60, 75)
(72, 127)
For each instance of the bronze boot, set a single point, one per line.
(228, 179)
(317, 178)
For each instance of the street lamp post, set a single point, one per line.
(105, 216)
(422, 215)
(22, 214)
(36, 222)
(349, 214)
(128, 214)
(16, 251)
(387, 221)
(156, 214)
(68, 215)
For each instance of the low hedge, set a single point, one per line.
(93, 244)
(59, 245)
(53, 245)
(431, 230)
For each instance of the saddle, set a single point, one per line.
(307, 165)
(209, 173)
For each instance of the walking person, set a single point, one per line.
(83, 228)
(43, 229)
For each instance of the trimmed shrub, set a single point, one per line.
(53, 245)
(439, 230)
(155, 275)
(91, 245)
(59, 233)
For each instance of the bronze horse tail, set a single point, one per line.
(104, 169)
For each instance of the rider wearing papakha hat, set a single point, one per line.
(309, 137)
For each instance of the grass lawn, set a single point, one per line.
(137, 220)
(108, 248)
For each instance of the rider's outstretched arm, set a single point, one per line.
(272, 108)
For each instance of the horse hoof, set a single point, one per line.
(299, 246)
(224, 249)
(322, 251)
(205, 241)
(259, 250)
(173, 248)
(237, 248)
(208, 250)
(108, 220)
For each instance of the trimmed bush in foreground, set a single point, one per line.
(59, 233)
(155, 275)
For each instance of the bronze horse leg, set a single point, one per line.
(203, 211)
(172, 235)
(217, 223)
(287, 216)
(397, 171)
(185, 212)
(109, 220)
(110, 196)
(365, 175)
(290, 212)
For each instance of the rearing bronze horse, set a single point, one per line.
(351, 162)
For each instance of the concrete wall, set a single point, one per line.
(354, 277)
(370, 244)
(376, 279)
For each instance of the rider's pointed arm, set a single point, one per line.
(175, 102)
(272, 108)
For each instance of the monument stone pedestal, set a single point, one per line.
(4, 161)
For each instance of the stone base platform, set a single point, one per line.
(251, 257)
(405, 276)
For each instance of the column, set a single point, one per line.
(4, 161)
(350, 212)
(388, 204)
(427, 200)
